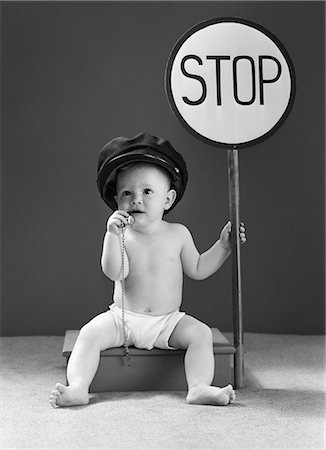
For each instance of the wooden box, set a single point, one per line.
(151, 370)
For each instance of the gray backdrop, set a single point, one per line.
(75, 75)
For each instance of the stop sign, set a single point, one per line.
(230, 82)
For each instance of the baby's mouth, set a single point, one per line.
(136, 211)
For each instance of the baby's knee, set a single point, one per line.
(202, 333)
(206, 332)
(89, 332)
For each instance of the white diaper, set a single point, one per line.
(143, 330)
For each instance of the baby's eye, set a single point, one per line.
(148, 191)
(126, 193)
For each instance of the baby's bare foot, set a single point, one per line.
(211, 395)
(68, 396)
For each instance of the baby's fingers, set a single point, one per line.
(122, 216)
(242, 233)
(116, 221)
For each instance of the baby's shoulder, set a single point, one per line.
(178, 229)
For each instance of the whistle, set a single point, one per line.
(130, 221)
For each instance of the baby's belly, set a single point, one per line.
(149, 297)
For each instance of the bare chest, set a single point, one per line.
(153, 255)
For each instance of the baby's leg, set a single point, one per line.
(196, 338)
(100, 333)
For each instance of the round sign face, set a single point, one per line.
(230, 82)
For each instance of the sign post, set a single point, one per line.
(231, 84)
(234, 208)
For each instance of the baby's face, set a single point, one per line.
(144, 192)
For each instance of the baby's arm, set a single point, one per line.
(200, 266)
(111, 259)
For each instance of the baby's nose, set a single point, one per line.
(137, 199)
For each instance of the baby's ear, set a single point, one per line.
(170, 198)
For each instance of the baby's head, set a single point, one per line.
(138, 169)
(144, 187)
(122, 157)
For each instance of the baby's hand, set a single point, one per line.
(225, 237)
(117, 221)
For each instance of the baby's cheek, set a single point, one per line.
(122, 202)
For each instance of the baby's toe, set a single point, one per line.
(230, 392)
(53, 400)
(60, 388)
(54, 405)
(54, 394)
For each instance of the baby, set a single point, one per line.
(142, 179)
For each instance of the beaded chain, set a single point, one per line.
(123, 292)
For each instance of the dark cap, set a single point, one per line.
(142, 148)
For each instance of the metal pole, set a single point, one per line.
(234, 200)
